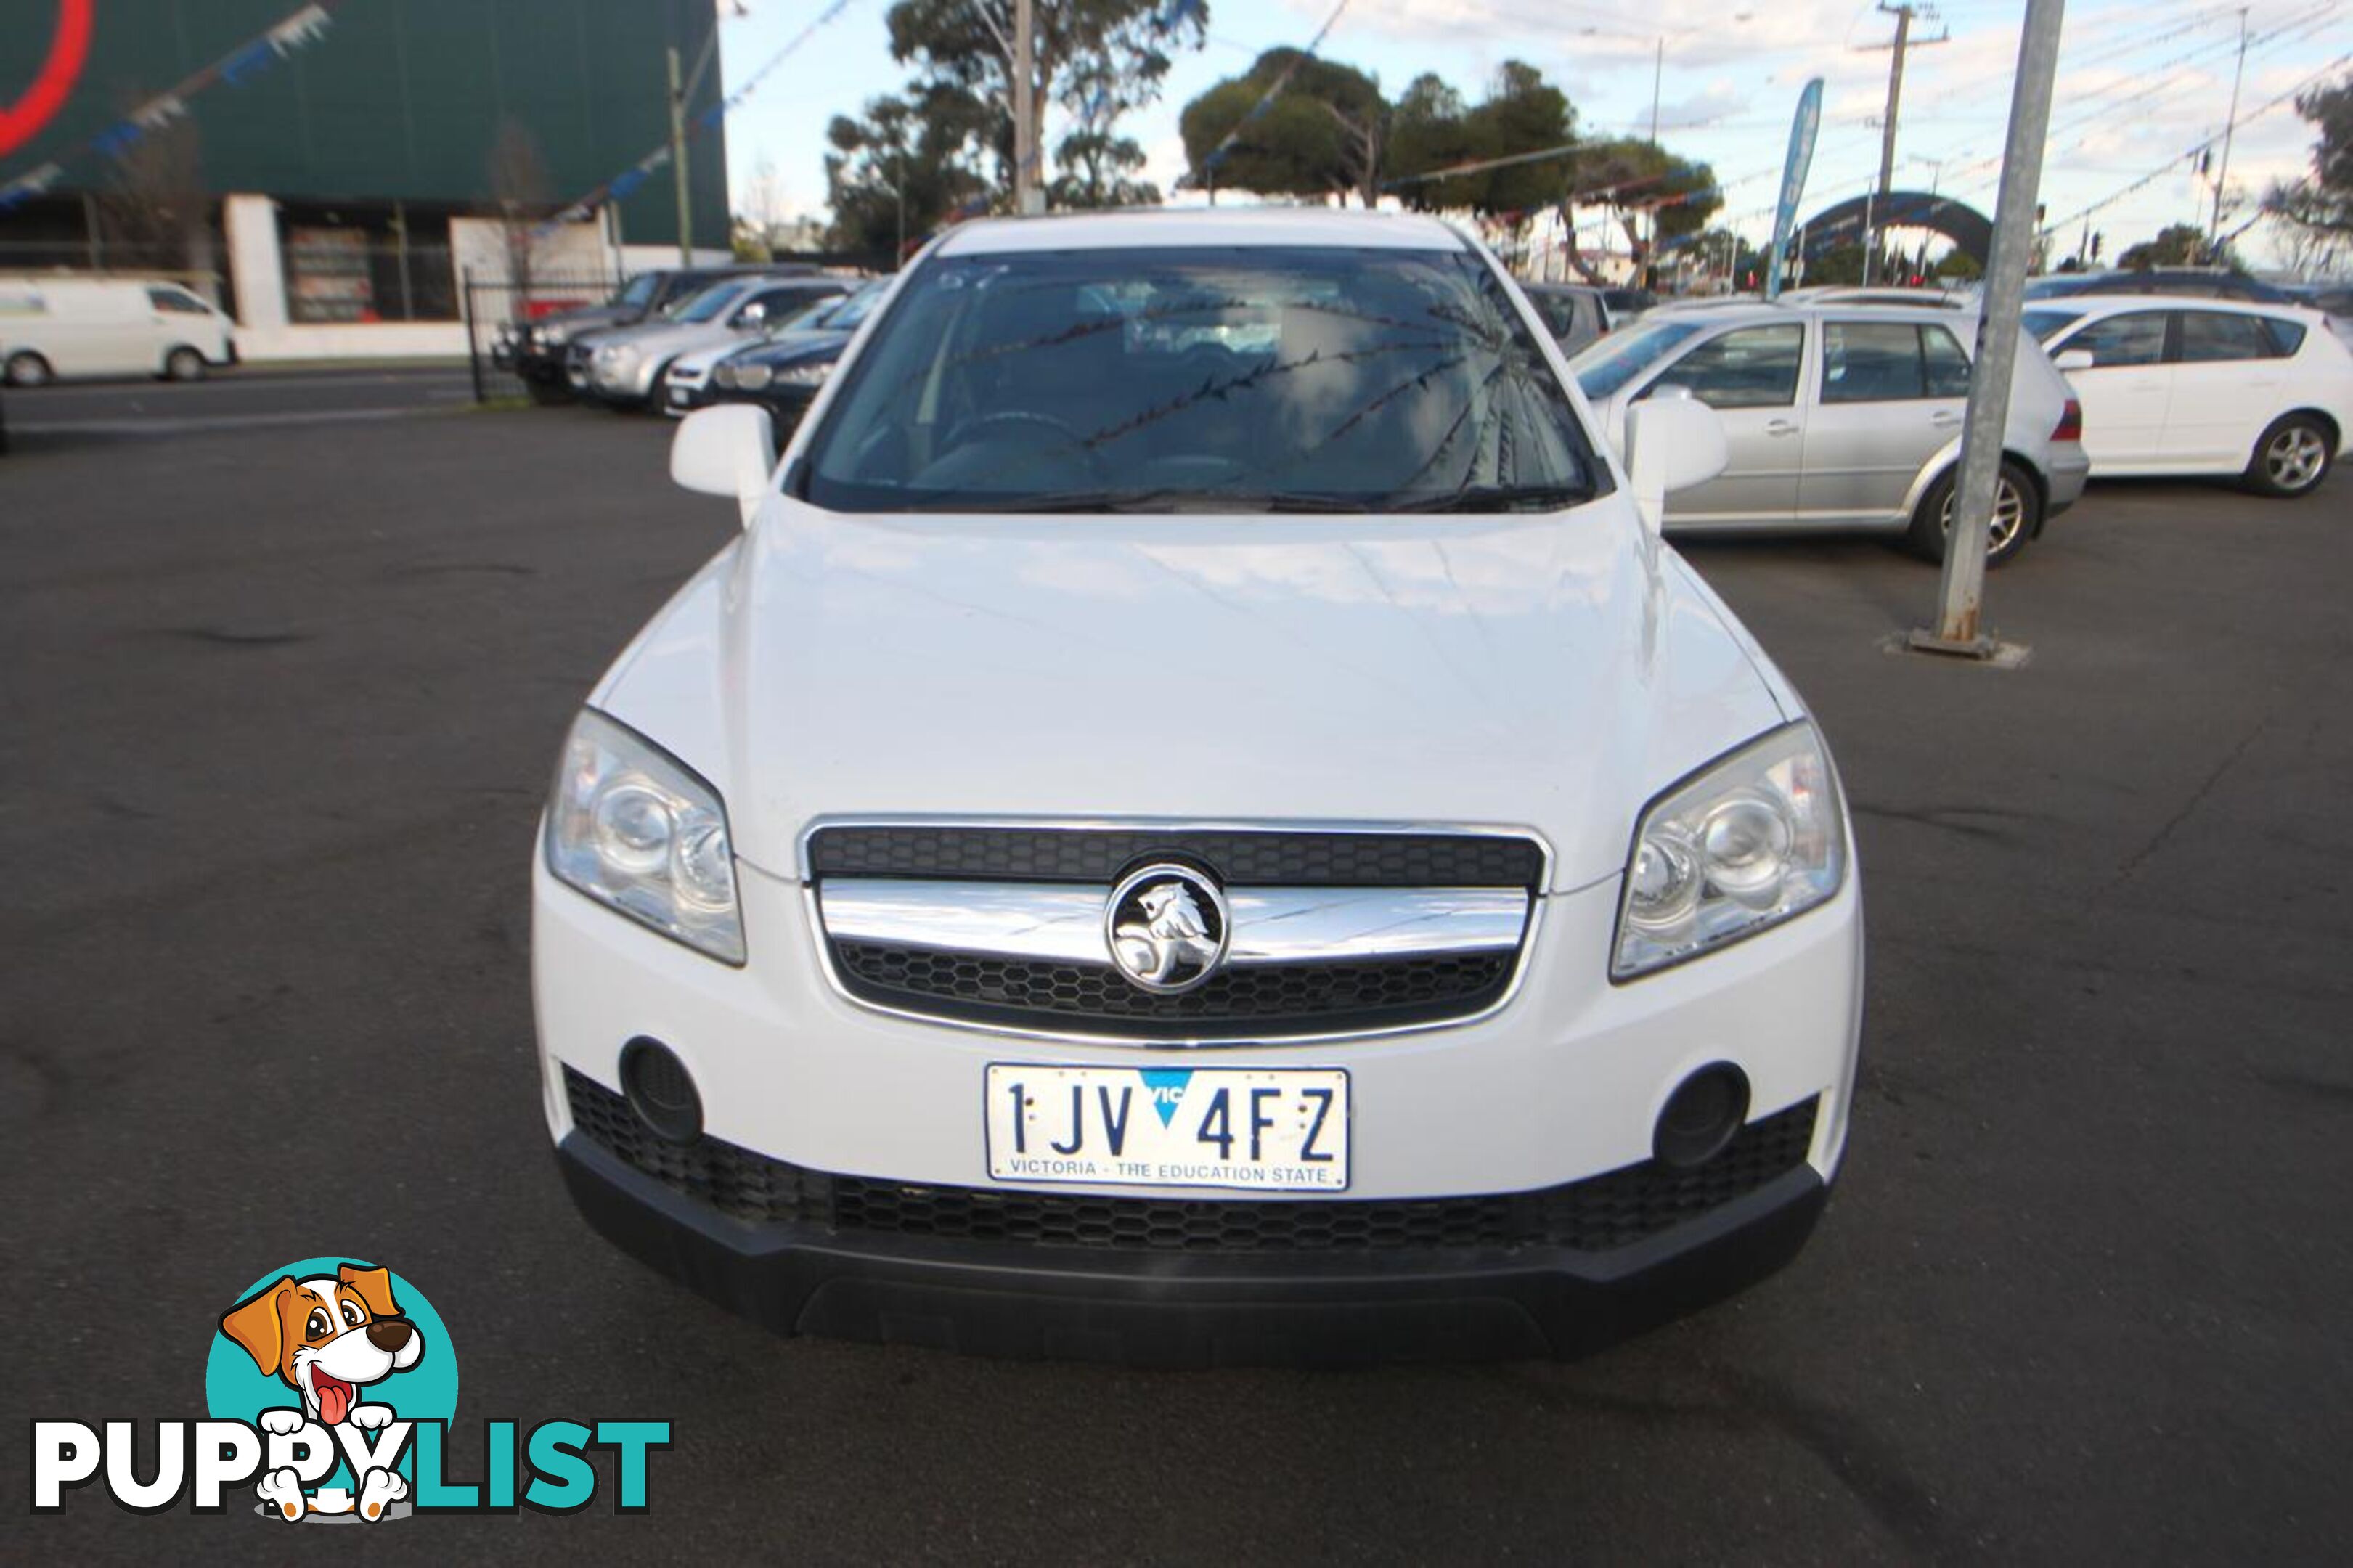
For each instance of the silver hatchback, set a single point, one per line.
(1843, 418)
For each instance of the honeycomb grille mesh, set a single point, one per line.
(1263, 856)
(1597, 1215)
(1277, 998)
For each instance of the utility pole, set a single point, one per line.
(1027, 196)
(678, 159)
(1962, 589)
(1903, 14)
(1658, 71)
(2215, 224)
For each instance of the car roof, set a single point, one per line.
(1156, 228)
(2088, 304)
(1751, 310)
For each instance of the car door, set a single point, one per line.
(2228, 385)
(2125, 390)
(1877, 420)
(1749, 375)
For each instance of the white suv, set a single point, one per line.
(1199, 822)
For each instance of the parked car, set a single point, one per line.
(688, 383)
(1628, 306)
(2263, 393)
(54, 328)
(2201, 283)
(1844, 418)
(534, 350)
(1128, 856)
(622, 367)
(785, 373)
(1576, 313)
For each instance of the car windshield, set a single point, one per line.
(708, 304)
(806, 316)
(844, 315)
(2044, 324)
(1234, 379)
(1618, 359)
(638, 289)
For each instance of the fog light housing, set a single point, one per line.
(1700, 1118)
(660, 1091)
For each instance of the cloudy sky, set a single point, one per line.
(2141, 83)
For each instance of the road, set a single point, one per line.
(241, 398)
(277, 720)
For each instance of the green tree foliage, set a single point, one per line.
(1325, 133)
(1632, 177)
(2320, 205)
(2176, 245)
(1430, 129)
(1433, 127)
(896, 172)
(1098, 58)
(1958, 264)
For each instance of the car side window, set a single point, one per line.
(1870, 362)
(2209, 337)
(1948, 364)
(174, 299)
(2137, 337)
(1749, 367)
(2286, 337)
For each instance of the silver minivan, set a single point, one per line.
(1843, 418)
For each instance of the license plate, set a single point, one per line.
(1266, 1129)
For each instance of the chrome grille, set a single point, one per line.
(1332, 932)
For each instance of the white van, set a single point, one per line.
(61, 327)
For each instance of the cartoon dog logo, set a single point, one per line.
(327, 1338)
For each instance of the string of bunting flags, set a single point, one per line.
(239, 67)
(621, 185)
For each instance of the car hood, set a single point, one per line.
(1545, 672)
(671, 338)
(787, 348)
(588, 318)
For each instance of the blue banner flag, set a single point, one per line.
(1793, 180)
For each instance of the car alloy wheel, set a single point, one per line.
(27, 370)
(2009, 516)
(2294, 458)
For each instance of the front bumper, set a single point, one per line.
(1191, 1309)
(1560, 1088)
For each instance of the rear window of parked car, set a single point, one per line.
(2210, 335)
(1887, 362)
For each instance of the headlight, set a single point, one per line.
(554, 334)
(752, 377)
(629, 825)
(1750, 841)
(615, 354)
(806, 373)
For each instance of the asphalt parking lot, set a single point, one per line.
(277, 709)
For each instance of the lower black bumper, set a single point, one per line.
(1192, 1309)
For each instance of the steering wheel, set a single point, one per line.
(970, 430)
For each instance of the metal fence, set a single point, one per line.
(497, 310)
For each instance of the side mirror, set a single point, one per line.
(1674, 441)
(725, 451)
(2074, 359)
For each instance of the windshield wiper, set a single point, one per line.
(1498, 498)
(1169, 498)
